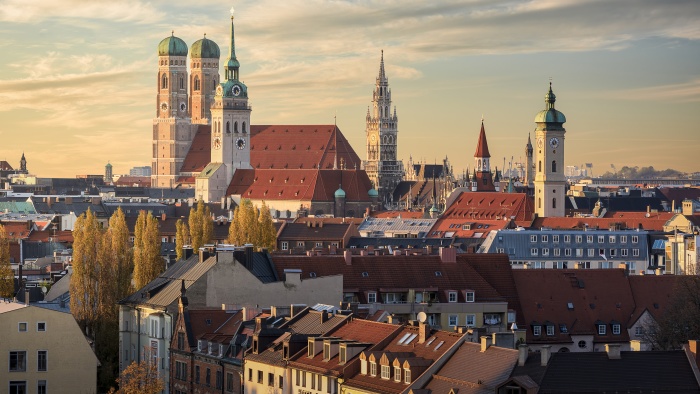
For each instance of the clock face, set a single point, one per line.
(236, 90)
(554, 142)
(374, 138)
(163, 106)
(183, 107)
(540, 142)
(240, 143)
(217, 143)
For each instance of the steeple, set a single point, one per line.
(482, 147)
(483, 178)
(550, 98)
(382, 75)
(528, 147)
(232, 65)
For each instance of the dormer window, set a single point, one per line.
(407, 376)
(550, 330)
(363, 366)
(310, 348)
(601, 329)
(397, 374)
(211, 348)
(199, 345)
(386, 372)
(469, 296)
(326, 351)
(616, 329)
(373, 368)
(221, 350)
(536, 330)
(342, 354)
(452, 296)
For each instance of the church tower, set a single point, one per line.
(230, 132)
(23, 165)
(482, 168)
(529, 163)
(172, 131)
(204, 78)
(382, 166)
(550, 182)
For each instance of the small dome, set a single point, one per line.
(340, 193)
(172, 46)
(550, 115)
(205, 49)
(373, 192)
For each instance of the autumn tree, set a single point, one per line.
(182, 236)
(87, 237)
(267, 234)
(252, 225)
(148, 263)
(201, 225)
(140, 378)
(7, 276)
(681, 319)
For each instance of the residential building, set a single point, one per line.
(398, 227)
(43, 351)
(314, 235)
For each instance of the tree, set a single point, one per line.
(201, 225)
(266, 229)
(681, 320)
(148, 263)
(83, 283)
(252, 225)
(115, 266)
(7, 276)
(140, 378)
(182, 237)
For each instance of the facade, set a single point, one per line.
(382, 165)
(562, 249)
(550, 182)
(44, 351)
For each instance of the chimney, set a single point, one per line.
(324, 316)
(397, 253)
(636, 345)
(429, 249)
(485, 343)
(390, 319)
(203, 254)
(363, 252)
(545, 352)
(26, 296)
(423, 331)
(163, 216)
(448, 255)
(522, 354)
(613, 350)
(348, 257)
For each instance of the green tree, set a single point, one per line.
(182, 235)
(148, 263)
(7, 276)
(87, 237)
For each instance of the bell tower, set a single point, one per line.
(382, 166)
(204, 78)
(529, 163)
(172, 131)
(550, 182)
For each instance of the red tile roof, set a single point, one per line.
(5, 166)
(477, 228)
(300, 184)
(140, 181)
(199, 154)
(601, 295)
(482, 147)
(45, 236)
(652, 293)
(492, 206)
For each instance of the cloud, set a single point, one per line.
(36, 11)
(679, 92)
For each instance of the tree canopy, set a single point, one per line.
(251, 225)
(7, 276)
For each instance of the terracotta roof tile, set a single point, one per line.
(455, 228)
(651, 223)
(491, 206)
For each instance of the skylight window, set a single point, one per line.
(403, 338)
(438, 273)
(430, 341)
(410, 339)
(438, 345)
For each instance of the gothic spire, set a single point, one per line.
(232, 64)
(482, 147)
(382, 75)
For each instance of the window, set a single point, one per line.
(589, 239)
(638, 331)
(579, 238)
(18, 361)
(554, 202)
(41, 326)
(196, 373)
(567, 252)
(271, 379)
(41, 387)
(545, 238)
(280, 381)
(18, 387)
(397, 374)
(579, 252)
(300, 244)
(260, 376)
(452, 296)
(582, 344)
(22, 327)
(470, 296)
(555, 238)
(635, 239)
(229, 382)
(545, 252)
(42, 360)
(219, 380)
(557, 251)
(623, 239)
(180, 370)
(371, 297)
(567, 238)
(591, 252)
(386, 372)
(452, 320)
(612, 239)
(373, 368)
(601, 239)
(319, 244)
(534, 251)
(616, 329)
(471, 320)
(601, 329)
(196, 83)
(407, 376)
(250, 375)
(533, 238)
(635, 252)
(554, 167)
(550, 330)
(537, 330)
(285, 245)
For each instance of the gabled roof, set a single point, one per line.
(199, 154)
(678, 194)
(451, 227)
(652, 293)
(600, 295)
(491, 206)
(373, 273)
(313, 322)
(210, 323)
(482, 146)
(671, 373)
(303, 231)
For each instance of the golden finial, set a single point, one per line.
(231, 12)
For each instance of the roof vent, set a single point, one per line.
(438, 273)
(365, 274)
(570, 305)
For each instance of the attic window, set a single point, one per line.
(570, 306)
(438, 273)
(563, 329)
(208, 322)
(312, 274)
(365, 274)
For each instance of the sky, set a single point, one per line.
(78, 78)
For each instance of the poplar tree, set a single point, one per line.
(201, 225)
(266, 229)
(252, 225)
(182, 234)
(83, 283)
(148, 263)
(7, 276)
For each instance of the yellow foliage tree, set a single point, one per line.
(148, 263)
(140, 378)
(201, 225)
(251, 225)
(182, 238)
(7, 276)
(87, 237)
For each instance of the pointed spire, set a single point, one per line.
(382, 75)
(550, 98)
(482, 147)
(232, 64)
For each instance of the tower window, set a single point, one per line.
(228, 127)
(182, 83)
(540, 166)
(554, 166)
(539, 202)
(235, 127)
(196, 84)
(554, 202)
(243, 128)
(164, 82)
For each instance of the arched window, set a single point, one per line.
(554, 202)
(540, 166)
(164, 82)
(196, 83)
(380, 112)
(386, 111)
(554, 166)
(243, 128)
(479, 165)
(182, 83)
(228, 127)
(235, 127)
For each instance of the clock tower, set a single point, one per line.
(550, 182)
(382, 166)
(230, 132)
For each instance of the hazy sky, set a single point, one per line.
(78, 78)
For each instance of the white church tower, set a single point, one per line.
(550, 182)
